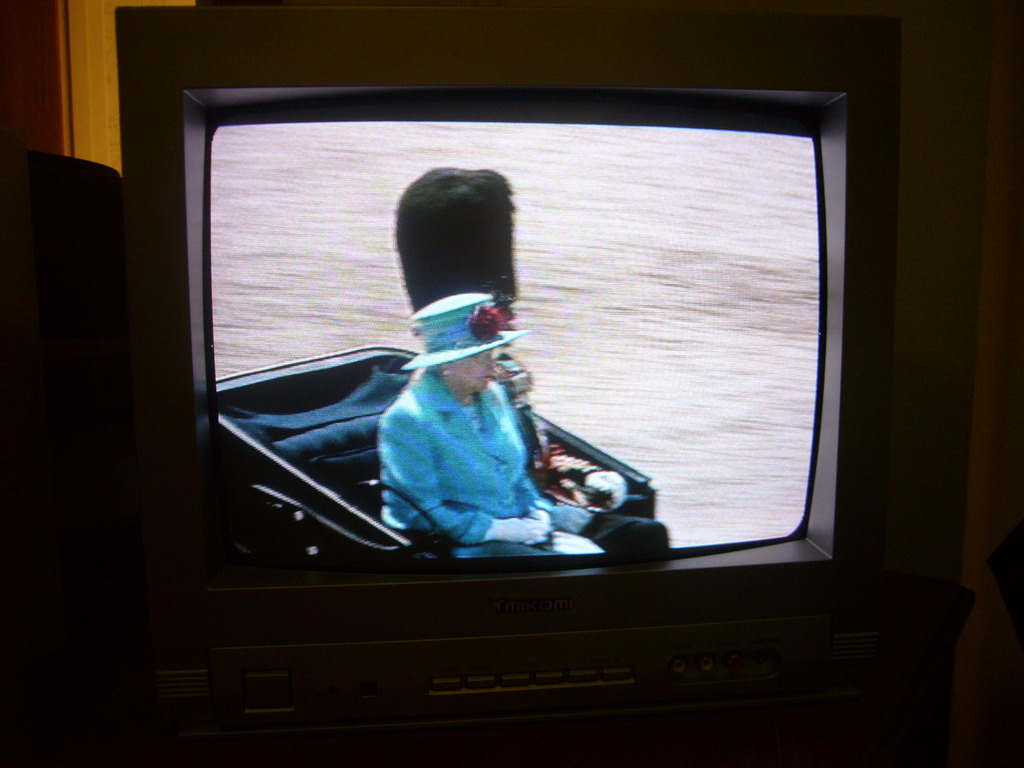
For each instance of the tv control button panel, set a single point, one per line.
(542, 678)
(728, 665)
(364, 682)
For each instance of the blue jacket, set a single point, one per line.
(461, 475)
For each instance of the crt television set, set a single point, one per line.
(704, 247)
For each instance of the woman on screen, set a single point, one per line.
(452, 456)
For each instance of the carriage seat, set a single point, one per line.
(336, 444)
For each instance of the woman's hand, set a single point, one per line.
(520, 530)
(541, 514)
(606, 489)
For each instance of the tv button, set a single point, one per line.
(477, 682)
(583, 675)
(445, 683)
(549, 677)
(515, 679)
(617, 673)
(269, 689)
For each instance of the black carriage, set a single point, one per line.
(298, 446)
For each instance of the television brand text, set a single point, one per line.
(531, 605)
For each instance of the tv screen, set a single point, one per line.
(671, 276)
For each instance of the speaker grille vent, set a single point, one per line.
(854, 645)
(179, 683)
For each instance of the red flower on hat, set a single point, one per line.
(486, 321)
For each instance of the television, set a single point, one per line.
(703, 247)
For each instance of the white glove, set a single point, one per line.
(540, 514)
(607, 489)
(520, 530)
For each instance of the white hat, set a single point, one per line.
(460, 326)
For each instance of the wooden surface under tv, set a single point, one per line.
(95, 704)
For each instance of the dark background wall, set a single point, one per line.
(30, 72)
